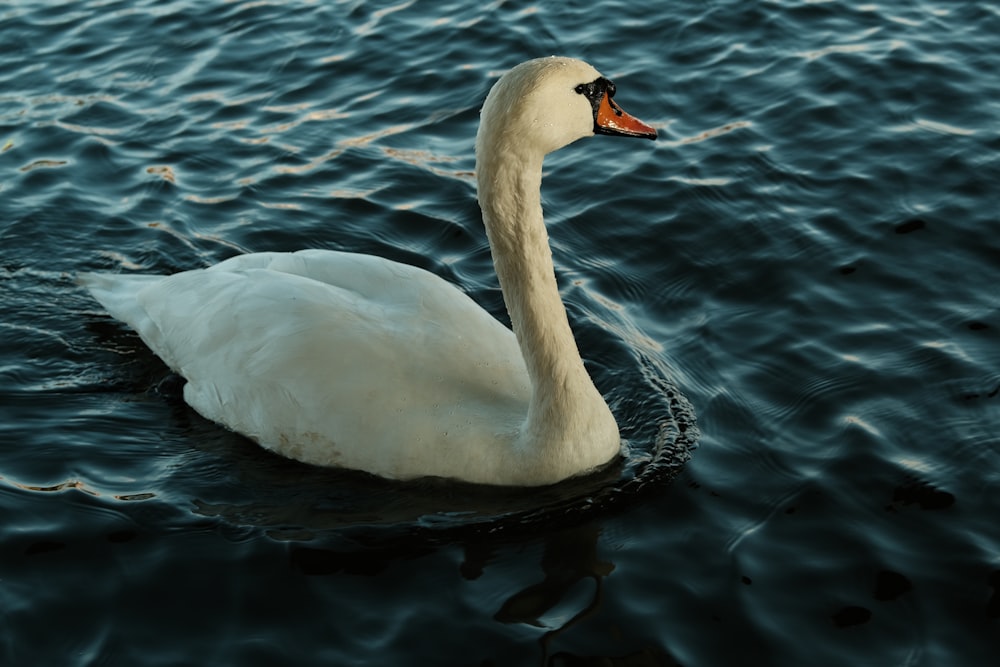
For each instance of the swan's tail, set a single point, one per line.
(119, 294)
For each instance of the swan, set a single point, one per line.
(355, 361)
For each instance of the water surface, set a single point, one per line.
(799, 276)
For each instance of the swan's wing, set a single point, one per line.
(332, 358)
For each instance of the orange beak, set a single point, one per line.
(612, 119)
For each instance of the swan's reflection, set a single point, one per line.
(569, 591)
(569, 557)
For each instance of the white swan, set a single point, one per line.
(342, 359)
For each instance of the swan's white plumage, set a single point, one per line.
(266, 340)
(352, 360)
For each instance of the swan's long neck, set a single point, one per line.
(564, 400)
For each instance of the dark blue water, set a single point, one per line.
(808, 260)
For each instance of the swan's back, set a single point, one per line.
(309, 353)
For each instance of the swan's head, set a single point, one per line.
(542, 105)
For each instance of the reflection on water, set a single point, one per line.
(561, 599)
(568, 558)
(568, 594)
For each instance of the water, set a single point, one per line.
(807, 260)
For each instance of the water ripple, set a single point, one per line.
(806, 259)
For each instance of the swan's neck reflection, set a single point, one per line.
(562, 598)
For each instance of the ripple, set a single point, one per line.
(806, 257)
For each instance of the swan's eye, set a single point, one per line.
(596, 89)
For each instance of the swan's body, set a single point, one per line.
(352, 360)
